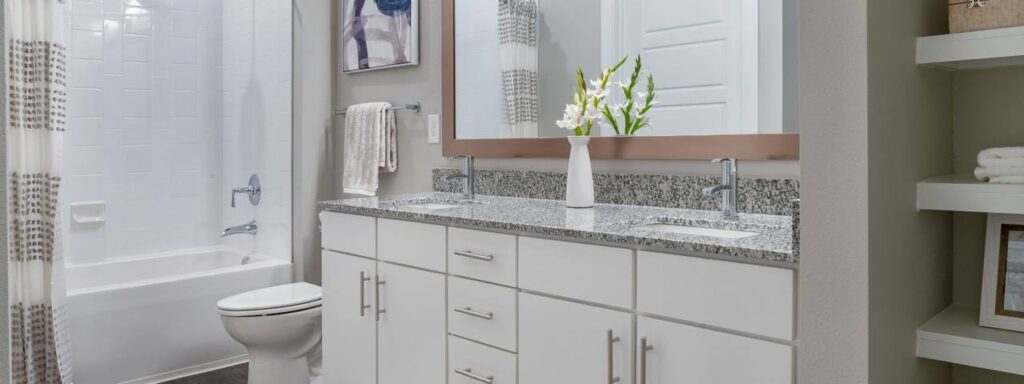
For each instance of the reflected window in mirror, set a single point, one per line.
(717, 64)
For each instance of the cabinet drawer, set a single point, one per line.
(743, 297)
(483, 256)
(579, 271)
(414, 244)
(350, 234)
(482, 312)
(469, 358)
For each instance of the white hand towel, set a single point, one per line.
(367, 130)
(1007, 180)
(984, 173)
(1001, 157)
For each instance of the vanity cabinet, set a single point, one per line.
(463, 306)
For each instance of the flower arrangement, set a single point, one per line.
(590, 105)
(634, 114)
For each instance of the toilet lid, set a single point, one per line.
(281, 296)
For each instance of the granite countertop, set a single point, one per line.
(606, 223)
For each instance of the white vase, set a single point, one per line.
(579, 188)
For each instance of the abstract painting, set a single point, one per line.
(379, 34)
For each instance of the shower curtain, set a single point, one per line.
(517, 36)
(36, 101)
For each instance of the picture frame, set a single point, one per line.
(1002, 293)
(379, 34)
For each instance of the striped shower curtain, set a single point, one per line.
(34, 57)
(517, 36)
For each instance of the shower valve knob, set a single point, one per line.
(253, 190)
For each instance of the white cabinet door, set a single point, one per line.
(412, 330)
(564, 342)
(685, 354)
(349, 329)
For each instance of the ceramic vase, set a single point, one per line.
(579, 189)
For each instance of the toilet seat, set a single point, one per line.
(270, 301)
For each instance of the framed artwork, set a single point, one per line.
(1002, 293)
(378, 34)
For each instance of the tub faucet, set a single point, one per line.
(244, 229)
(728, 188)
(468, 177)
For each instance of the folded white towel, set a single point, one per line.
(1007, 180)
(1001, 157)
(984, 173)
(370, 147)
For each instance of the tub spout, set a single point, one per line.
(244, 229)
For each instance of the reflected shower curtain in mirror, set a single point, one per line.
(517, 35)
(36, 118)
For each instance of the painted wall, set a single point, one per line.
(172, 103)
(909, 139)
(986, 114)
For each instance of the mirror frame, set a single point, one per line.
(780, 146)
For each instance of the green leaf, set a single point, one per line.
(611, 119)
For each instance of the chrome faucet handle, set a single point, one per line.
(468, 177)
(254, 191)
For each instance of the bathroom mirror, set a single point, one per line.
(719, 70)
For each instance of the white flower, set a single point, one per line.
(597, 93)
(571, 118)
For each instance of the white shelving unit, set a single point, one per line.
(973, 50)
(954, 336)
(967, 194)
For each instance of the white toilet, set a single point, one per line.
(280, 326)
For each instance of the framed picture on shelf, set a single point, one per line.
(379, 34)
(1002, 293)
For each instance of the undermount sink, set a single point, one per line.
(430, 204)
(696, 231)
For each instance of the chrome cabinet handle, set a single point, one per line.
(473, 255)
(612, 339)
(644, 347)
(362, 294)
(377, 297)
(469, 373)
(471, 312)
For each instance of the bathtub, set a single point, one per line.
(154, 318)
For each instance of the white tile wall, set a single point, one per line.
(170, 107)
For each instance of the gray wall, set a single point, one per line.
(987, 113)
(832, 291)
(909, 139)
(566, 43)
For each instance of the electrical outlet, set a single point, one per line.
(434, 129)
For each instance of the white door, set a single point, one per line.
(349, 329)
(412, 330)
(565, 342)
(684, 354)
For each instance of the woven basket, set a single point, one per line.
(976, 15)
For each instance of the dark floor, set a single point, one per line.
(237, 374)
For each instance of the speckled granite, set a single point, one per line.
(756, 195)
(604, 223)
(796, 228)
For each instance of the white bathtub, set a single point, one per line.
(154, 318)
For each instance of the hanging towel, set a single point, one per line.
(371, 147)
(1002, 157)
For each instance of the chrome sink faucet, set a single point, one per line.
(728, 188)
(468, 177)
(244, 229)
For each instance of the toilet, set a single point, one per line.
(280, 327)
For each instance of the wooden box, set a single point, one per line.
(976, 15)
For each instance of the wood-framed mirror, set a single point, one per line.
(714, 102)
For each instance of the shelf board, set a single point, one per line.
(973, 50)
(954, 336)
(967, 194)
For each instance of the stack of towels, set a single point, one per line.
(371, 147)
(1001, 165)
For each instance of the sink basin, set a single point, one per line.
(697, 231)
(429, 204)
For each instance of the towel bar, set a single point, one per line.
(412, 107)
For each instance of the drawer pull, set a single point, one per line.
(362, 294)
(612, 339)
(469, 373)
(471, 312)
(473, 255)
(644, 348)
(379, 309)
